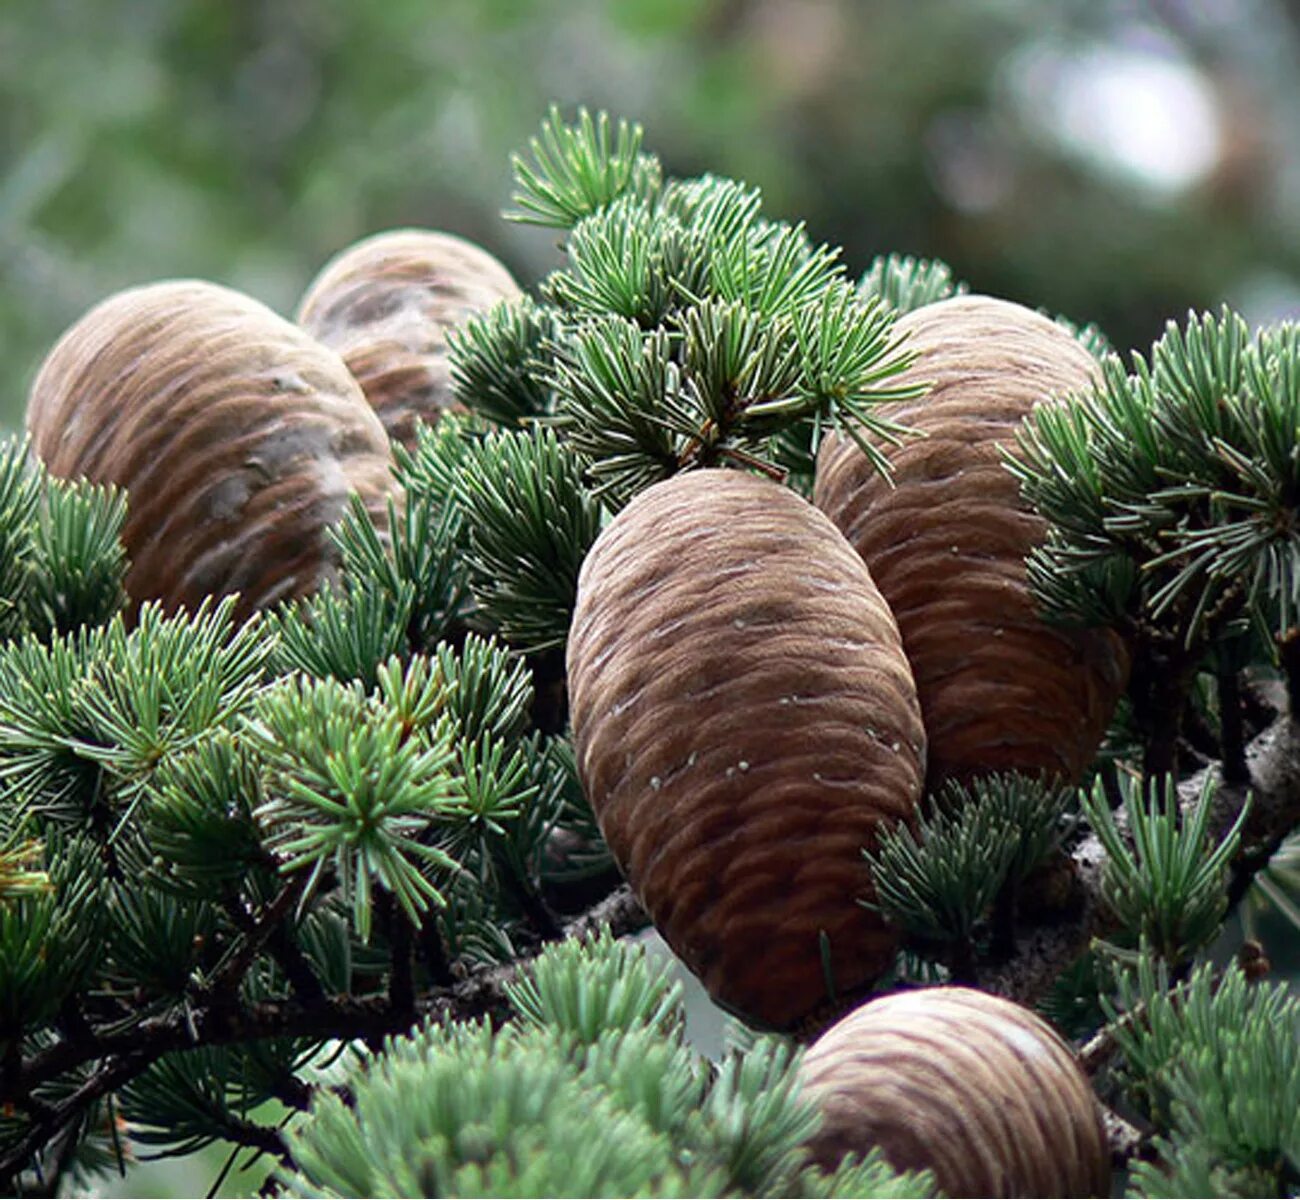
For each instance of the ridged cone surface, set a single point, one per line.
(386, 304)
(744, 720)
(1000, 689)
(968, 1085)
(236, 437)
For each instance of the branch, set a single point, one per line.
(401, 979)
(1047, 947)
(221, 1020)
(1230, 719)
(293, 962)
(1044, 949)
(256, 1137)
(256, 933)
(1273, 761)
(1125, 1141)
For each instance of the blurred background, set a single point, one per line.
(1116, 162)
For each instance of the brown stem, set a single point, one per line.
(292, 1092)
(215, 1020)
(230, 974)
(1164, 667)
(1124, 1141)
(1159, 714)
(293, 962)
(1045, 949)
(1231, 731)
(697, 444)
(254, 1136)
(282, 946)
(550, 711)
(771, 470)
(401, 979)
(433, 954)
(51, 1179)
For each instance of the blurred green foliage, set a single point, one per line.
(1113, 161)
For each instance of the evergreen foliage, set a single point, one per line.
(905, 283)
(593, 1091)
(577, 170)
(354, 789)
(1169, 889)
(1216, 1062)
(530, 522)
(228, 851)
(61, 563)
(1171, 492)
(346, 632)
(497, 359)
(686, 330)
(939, 880)
(1089, 336)
(77, 562)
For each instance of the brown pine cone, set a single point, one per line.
(386, 304)
(744, 720)
(970, 1086)
(235, 436)
(1000, 689)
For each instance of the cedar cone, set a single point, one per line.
(966, 1084)
(744, 720)
(1000, 689)
(386, 303)
(235, 436)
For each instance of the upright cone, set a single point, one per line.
(236, 437)
(745, 721)
(970, 1086)
(946, 541)
(386, 304)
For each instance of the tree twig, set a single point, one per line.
(1231, 728)
(225, 1019)
(1044, 949)
(1126, 1142)
(401, 979)
(230, 974)
(217, 1015)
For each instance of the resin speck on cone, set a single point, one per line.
(235, 435)
(1001, 689)
(745, 722)
(386, 304)
(977, 1089)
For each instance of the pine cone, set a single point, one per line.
(235, 436)
(386, 303)
(968, 1085)
(1000, 689)
(744, 721)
